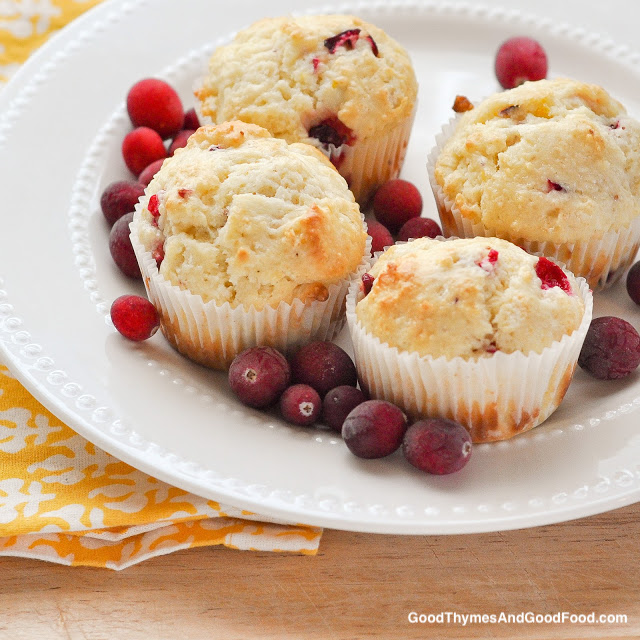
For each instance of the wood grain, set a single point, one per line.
(358, 586)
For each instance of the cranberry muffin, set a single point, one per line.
(553, 166)
(475, 330)
(333, 81)
(244, 239)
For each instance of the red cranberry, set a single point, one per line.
(155, 104)
(134, 317)
(300, 404)
(121, 248)
(367, 283)
(488, 263)
(119, 198)
(147, 175)
(520, 59)
(338, 404)
(180, 140)
(323, 366)
(633, 283)
(552, 275)
(437, 446)
(191, 120)
(374, 429)
(611, 348)
(395, 202)
(158, 254)
(348, 40)
(554, 186)
(380, 236)
(331, 131)
(153, 206)
(259, 375)
(372, 44)
(419, 228)
(141, 147)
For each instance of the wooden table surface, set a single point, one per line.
(358, 586)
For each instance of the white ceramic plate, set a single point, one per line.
(60, 131)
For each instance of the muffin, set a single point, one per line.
(244, 240)
(475, 330)
(332, 81)
(553, 166)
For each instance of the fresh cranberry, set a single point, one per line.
(367, 283)
(437, 446)
(633, 283)
(119, 198)
(300, 404)
(141, 147)
(323, 365)
(338, 404)
(191, 120)
(121, 248)
(395, 202)
(134, 317)
(419, 228)
(611, 348)
(374, 429)
(180, 140)
(259, 375)
(552, 275)
(380, 236)
(155, 104)
(147, 175)
(520, 59)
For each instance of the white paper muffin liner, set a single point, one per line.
(602, 260)
(494, 397)
(213, 334)
(369, 163)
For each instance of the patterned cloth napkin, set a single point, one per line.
(61, 498)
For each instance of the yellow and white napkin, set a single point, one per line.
(64, 500)
(61, 498)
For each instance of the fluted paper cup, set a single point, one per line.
(494, 397)
(369, 163)
(602, 260)
(213, 334)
